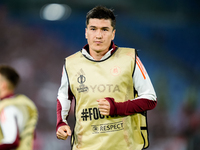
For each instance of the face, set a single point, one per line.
(1, 80)
(1, 84)
(99, 34)
(4, 86)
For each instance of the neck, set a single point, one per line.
(98, 55)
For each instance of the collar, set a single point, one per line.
(112, 49)
(7, 96)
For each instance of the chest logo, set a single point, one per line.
(115, 71)
(81, 79)
(82, 88)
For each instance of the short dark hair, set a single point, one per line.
(10, 74)
(101, 12)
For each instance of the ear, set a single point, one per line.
(86, 33)
(113, 34)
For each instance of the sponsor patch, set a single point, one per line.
(109, 127)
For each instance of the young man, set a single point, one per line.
(18, 114)
(111, 88)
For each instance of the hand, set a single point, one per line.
(63, 132)
(104, 107)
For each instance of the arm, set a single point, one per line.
(63, 106)
(146, 99)
(9, 127)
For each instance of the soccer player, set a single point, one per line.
(111, 89)
(18, 114)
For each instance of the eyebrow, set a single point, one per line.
(100, 28)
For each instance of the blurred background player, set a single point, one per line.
(18, 114)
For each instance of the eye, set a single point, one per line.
(105, 29)
(93, 29)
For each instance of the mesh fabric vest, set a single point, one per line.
(91, 80)
(27, 135)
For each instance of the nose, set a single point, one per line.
(99, 34)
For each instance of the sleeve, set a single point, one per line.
(9, 127)
(142, 82)
(64, 99)
(146, 99)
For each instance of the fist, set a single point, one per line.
(104, 107)
(63, 132)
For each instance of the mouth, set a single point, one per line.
(98, 42)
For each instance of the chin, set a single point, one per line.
(98, 49)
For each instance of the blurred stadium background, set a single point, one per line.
(36, 36)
